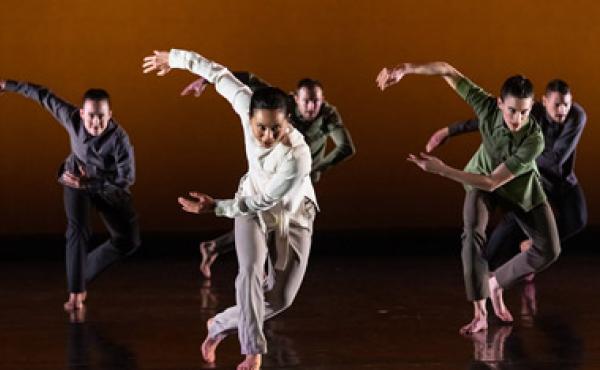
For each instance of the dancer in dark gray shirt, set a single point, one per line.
(98, 172)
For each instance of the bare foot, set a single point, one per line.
(252, 362)
(75, 301)
(207, 251)
(497, 302)
(209, 346)
(77, 316)
(478, 324)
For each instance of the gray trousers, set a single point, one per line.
(257, 301)
(538, 224)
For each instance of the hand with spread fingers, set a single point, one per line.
(74, 181)
(427, 163)
(201, 203)
(390, 76)
(158, 62)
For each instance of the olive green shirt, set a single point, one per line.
(517, 150)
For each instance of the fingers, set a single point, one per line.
(149, 69)
(188, 205)
(82, 171)
(382, 77)
(426, 156)
(431, 145)
(70, 180)
(187, 90)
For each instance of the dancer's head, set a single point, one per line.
(268, 115)
(515, 101)
(95, 111)
(309, 98)
(557, 100)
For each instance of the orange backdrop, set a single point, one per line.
(185, 143)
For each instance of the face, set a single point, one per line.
(515, 111)
(557, 105)
(309, 102)
(269, 126)
(95, 115)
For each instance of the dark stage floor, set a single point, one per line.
(387, 312)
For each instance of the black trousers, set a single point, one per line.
(570, 212)
(119, 217)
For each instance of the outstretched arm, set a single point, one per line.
(500, 176)
(247, 78)
(289, 176)
(392, 75)
(225, 82)
(520, 162)
(60, 109)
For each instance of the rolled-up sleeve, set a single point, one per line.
(523, 159)
(482, 102)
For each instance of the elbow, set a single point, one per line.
(348, 151)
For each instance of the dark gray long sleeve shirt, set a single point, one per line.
(557, 162)
(108, 159)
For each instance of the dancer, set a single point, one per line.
(562, 122)
(97, 173)
(502, 173)
(310, 114)
(275, 204)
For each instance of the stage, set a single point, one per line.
(356, 310)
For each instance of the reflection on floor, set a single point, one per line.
(351, 313)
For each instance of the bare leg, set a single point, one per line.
(524, 246)
(479, 321)
(252, 362)
(209, 346)
(209, 255)
(497, 302)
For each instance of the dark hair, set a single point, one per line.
(96, 95)
(558, 86)
(309, 83)
(269, 98)
(518, 86)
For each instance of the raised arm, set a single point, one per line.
(391, 76)
(225, 82)
(61, 110)
(247, 78)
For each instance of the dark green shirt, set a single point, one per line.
(517, 150)
(328, 124)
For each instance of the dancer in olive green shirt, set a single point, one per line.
(502, 173)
